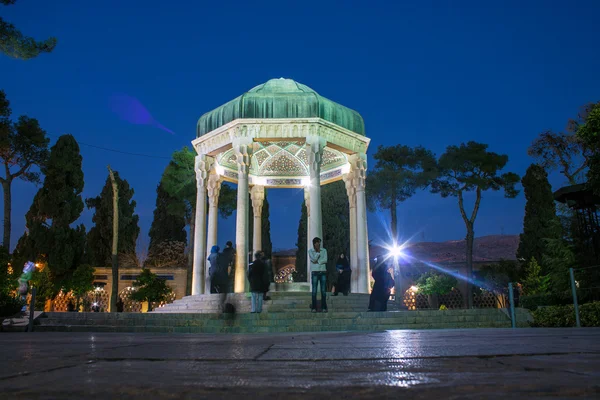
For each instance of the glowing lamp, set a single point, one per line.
(414, 289)
(396, 251)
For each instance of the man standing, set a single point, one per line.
(318, 272)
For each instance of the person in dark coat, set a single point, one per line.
(212, 270)
(344, 273)
(229, 259)
(258, 281)
(384, 282)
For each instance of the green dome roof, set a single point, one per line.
(281, 98)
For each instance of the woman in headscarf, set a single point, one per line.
(384, 282)
(344, 273)
(213, 259)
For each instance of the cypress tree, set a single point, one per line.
(301, 273)
(56, 206)
(165, 226)
(100, 236)
(540, 222)
(267, 245)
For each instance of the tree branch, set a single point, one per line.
(476, 207)
(461, 206)
(22, 170)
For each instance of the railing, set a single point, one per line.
(587, 274)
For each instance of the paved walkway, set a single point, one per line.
(433, 364)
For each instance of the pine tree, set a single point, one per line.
(301, 274)
(399, 171)
(23, 145)
(165, 226)
(100, 236)
(540, 222)
(56, 206)
(14, 44)
(472, 168)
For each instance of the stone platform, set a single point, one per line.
(280, 302)
(504, 364)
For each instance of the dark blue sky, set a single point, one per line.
(421, 73)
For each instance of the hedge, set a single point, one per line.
(564, 316)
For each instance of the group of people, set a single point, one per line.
(222, 274)
(260, 275)
(221, 270)
(382, 275)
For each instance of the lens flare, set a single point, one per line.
(130, 109)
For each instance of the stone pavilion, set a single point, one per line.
(280, 134)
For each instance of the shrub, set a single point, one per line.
(149, 287)
(590, 314)
(564, 316)
(555, 299)
(9, 305)
(433, 283)
(443, 307)
(532, 302)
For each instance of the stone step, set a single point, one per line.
(264, 329)
(296, 321)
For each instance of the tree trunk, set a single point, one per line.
(190, 265)
(470, 240)
(115, 244)
(434, 301)
(394, 222)
(7, 213)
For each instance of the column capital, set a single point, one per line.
(214, 187)
(257, 194)
(314, 149)
(358, 164)
(202, 166)
(243, 148)
(350, 183)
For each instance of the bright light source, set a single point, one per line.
(414, 289)
(396, 251)
(95, 304)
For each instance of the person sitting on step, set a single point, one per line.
(344, 273)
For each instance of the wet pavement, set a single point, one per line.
(432, 364)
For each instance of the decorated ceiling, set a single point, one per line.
(282, 159)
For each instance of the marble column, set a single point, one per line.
(314, 149)
(213, 188)
(202, 168)
(243, 150)
(359, 165)
(257, 194)
(351, 191)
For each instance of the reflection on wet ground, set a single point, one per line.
(488, 363)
